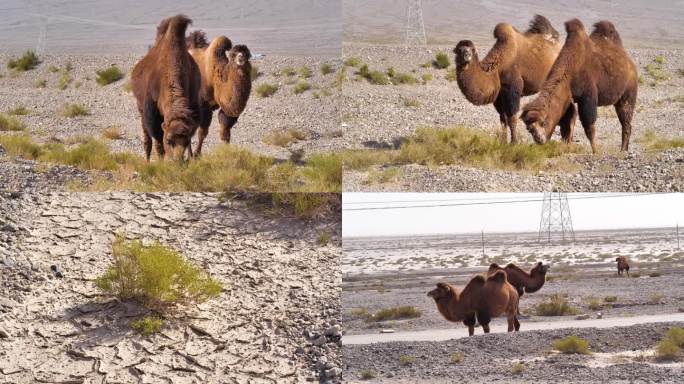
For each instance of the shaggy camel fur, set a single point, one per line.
(226, 81)
(166, 85)
(592, 71)
(481, 299)
(516, 66)
(523, 281)
(622, 265)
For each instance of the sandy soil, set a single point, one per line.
(281, 292)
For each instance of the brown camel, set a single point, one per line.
(622, 265)
(226, 81)
(166, 85)
(516, 66)
(591, 70)
(481, 299)
(523, 281)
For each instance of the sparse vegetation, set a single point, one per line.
(373, 77)
(26, 62)
(53, 69)
(391, 72)
(572, 345)
(594, 304)
(557, 305)
(407, 359)
(656, 71)
(155, 276)
(18, 111)
(340, 78)
(301, 87)
(451, 74)
(610, 299)
(411, 103)
(11, 123)
(652, 142)
(113, 133)
(367, 374)
(384, 176)
(109, 75)
(128, 87)
(670, 346)
(353, 62)
(517, 368)
(74, 110)
(148, 325)
(655, 274)
(395, 313)
(266, 89)
(326, 69)
(659, 60)
(254, 72)
(324, 238)
(441, 60)
(287, 71)
(40, 83)
(456, 357)
(426, 77)
(655, 298)
(304, 72)
(403, 78)
(285, 138)
(64, 81)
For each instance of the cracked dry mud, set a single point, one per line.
(276, 320)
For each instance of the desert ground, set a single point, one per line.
(622, 330)
(276, 319)
(383, 116)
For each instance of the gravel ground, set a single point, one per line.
(111, 105)
(491, 358)
(376, 116)
(276, 320)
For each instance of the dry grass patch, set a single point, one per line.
(441, 60)
(610, 299)
(572, 345)
(266, 89)
(403, 78)
(113, 133)
(109, 75)
(556, 305)
(26, 62)
(373, 77)
(517, 368)
(653, 143)
(384, 176)
(396, 313)
(148, 325)
(326, 69)
(304, 72)
(74, 110)
(301, 87)
(19, 111)
(669, 348)
(285, 138)
(367, 374)
(411, 103)
(40, 83)
(353, 62)
(406, 360)
(456, 357)
(11, 123)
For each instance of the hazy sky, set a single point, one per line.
(596, 213)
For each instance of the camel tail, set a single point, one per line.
(541, 25)
(196, 39)
(498, 277)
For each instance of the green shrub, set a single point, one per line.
(326, 69)
(301, 87)
(517, 368)
(21, 145)
(74, 110)
(391, 72)
(676, 335)
(63, 81)
(155, 276)
(109, 75)
(411, 103)
(594, 305)
(353, 62)
(557, 305)
(287, 71)
(254, 72)
(304, 72)
(403, 78)
(367, 374)
(27, 61)
(148, 325)
(53, 69)
(426, 77)
(456, 357)
(667, 350)
(396, 313)
(441, 60)
(407, 359)
(11, 123)
(659, 60)
(610, 299)
(266, 89)
(18, 111)
(572, 345)
(451, 75)
(373, 77)
(324, 238)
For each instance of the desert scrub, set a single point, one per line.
(610, 299)
(572, 345)
(285, 138)
(412, 103)
(517, 368)
(254, 72)
(18, 111)
(127, 87)
(557, 305)
(656, 71)
(396, 313)
(362, 159)
(326, 69)
(40, 83)
(156, 276)
(381, 177)
(266, 89)
(367, 374)
(148, 325)
(653, 143)
(353, 62)
(64, 80)
(407, 360)
(109, 75)
(27, 61)
(655, 298)
(304, 72)
(288, 71)
(441, 60)
(451, 75)
(113, 133)
(456, 357)
(11, 123)
(324, 238)
(74, 110)
(301, 87)
(340, 78)
(670, 346)
(426, 77)
(53, 69)
(299, 204)
(391, 72)
(403, 78)
(373, 77)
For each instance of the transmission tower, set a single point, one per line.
(415, 28)
(555, 217)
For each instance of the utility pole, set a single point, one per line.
(483, 254)
(415, 27)
(556, 217)
(678, 236)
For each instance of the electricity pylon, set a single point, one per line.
(555, 217)
(415, 28)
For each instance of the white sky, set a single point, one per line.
(640, 211)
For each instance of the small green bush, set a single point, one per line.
(456, 357)
(11, 123)
(517, 368)
(53, 69)
(659, 60)
(556, 306)
(301, 87)
(413, 103)
(441, 60)
(155, 276)
(407, 359)
(18, 111)
(63, 81)
(254, 72)
(74, 110)
(391, 72)
(572, 344)
(27, 61)
(324, 238)
(266, 89)
(426, 77)
(148, 325)
(404, 78)
(287, 71)
(396, 313)
(109, 75)
(367, 374)
(594, 305)
(304, 72)
(326, 69)
(451, 75)
(676, 335)
(610, 299)
(353, 62)
(373, 77)
(667, 350)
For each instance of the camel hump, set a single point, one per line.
(541, 25)
(477, 280)
(503, 31)
(574, 25)
(196, 39)
(498, 277)
(606, 29)
(494, 266)
(220, 45)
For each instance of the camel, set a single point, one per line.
(516, 66)
(591, 71)
(226, 81)
(166, 84)
(523, 281)
(481, 299)
(622, 265)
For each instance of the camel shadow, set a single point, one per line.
(394, 144)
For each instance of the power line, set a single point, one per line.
(518, 197)
(532, 200)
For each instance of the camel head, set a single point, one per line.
(239, 55)
(177, 136)
(541, 268)
(442, 291)
(465, 52)
(535, 122)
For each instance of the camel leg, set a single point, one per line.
(587, 114)
(469, 321)
(152, 129)
(484, 317)
(567, 123)
(227, 123)
(516, 323)
(509, 100)
(147, 143)
(625, 110)
(203, 131)
(627, 271)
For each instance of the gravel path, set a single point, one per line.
(280, 298)
(378, 116)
